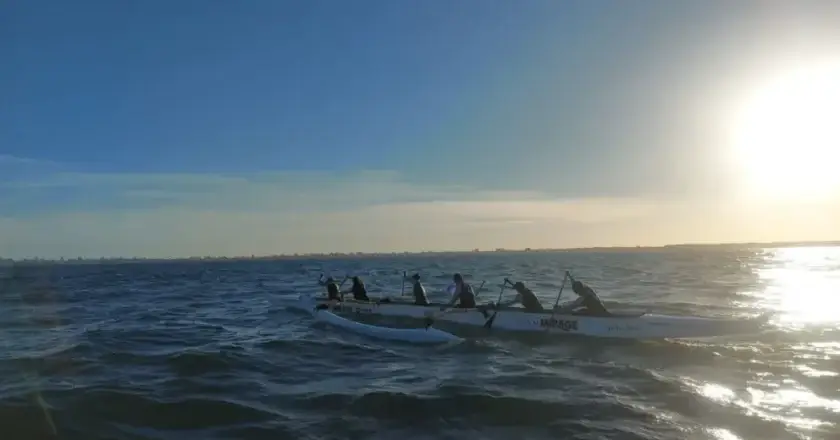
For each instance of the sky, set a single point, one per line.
(167, 129)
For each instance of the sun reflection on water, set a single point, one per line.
(723, 434)
(783, 402)
(802, 285)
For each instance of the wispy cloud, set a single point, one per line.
(91, 214)
(9, 159)
(286, 191)
(16, 171)
(182, 214)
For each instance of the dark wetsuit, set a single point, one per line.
(359, 292)
(420, 295)
(333, 292)
(592, 304)
(466, 297)
(530, 301)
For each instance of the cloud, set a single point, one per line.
(69, 214)
(191, 231)
(181, 214)
(6, 159)
(287, 191)
(17, 172)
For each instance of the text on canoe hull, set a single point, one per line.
(355, 309)
(623, 328)
(566, 325)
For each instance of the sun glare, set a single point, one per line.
(802, 285)
(787, 134)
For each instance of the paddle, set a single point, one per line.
(507, 281)
(346, 277)
(402, 288)
(489, 322)
(481, 286)
(562, 285)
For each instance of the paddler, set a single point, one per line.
(419, 291)
(587, 302)
(358, 290)
(525, 297)
(464, 295)
(333, 294)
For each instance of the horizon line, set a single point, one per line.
(311, 255)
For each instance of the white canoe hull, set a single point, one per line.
(414, 335)
(638, 326)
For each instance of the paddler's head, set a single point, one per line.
(416, 277)
(357, 281)
(330, 280)
(518, 286)
(457, 278)
(579, 288)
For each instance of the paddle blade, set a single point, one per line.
(489, 322)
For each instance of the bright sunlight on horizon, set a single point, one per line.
(280, 128)
(787, 135)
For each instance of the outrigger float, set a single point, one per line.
(426, 335)
(514, 319)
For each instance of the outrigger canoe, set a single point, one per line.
(427, 335)
(631, 326)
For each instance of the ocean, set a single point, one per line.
(210, 350)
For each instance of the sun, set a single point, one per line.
(787, 134)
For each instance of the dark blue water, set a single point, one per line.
(208, 350)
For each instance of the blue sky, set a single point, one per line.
(253, 126)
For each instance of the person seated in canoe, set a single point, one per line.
(358, 290)
(419, 291)
(587, 302)
(333, 294)
(525, 297)
(464, 295)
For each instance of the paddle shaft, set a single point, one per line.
(504, 285)
(501, 292)
(477, 291)
(562, 285)
(346, 277)
(489, 321)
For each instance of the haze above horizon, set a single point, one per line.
(207, 128)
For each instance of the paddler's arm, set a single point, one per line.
(452, 301)
(454, 298)
(568, 308)
(515, 300)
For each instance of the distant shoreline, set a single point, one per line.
(339, 255)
